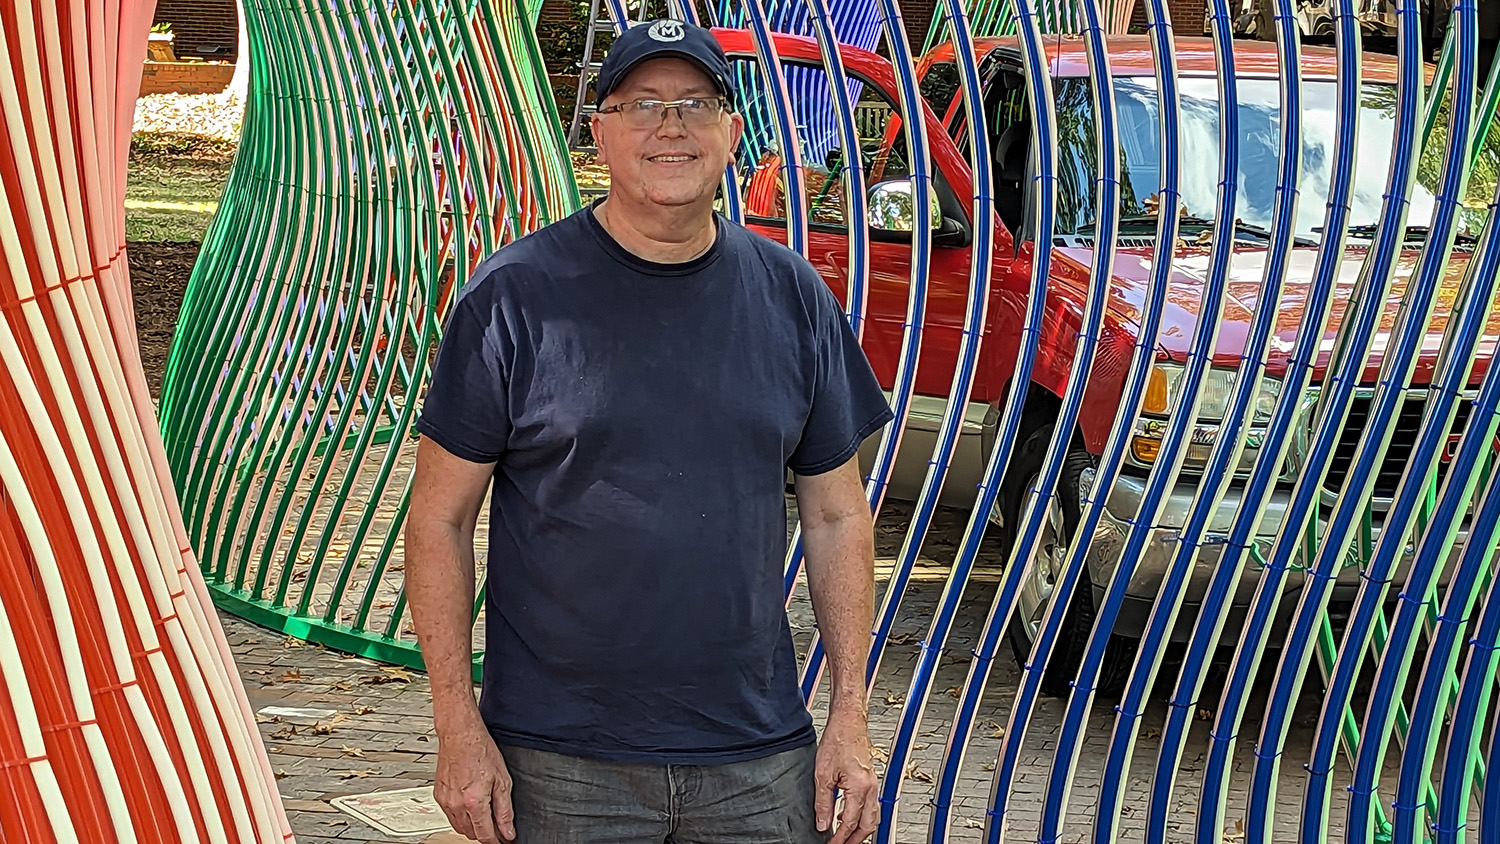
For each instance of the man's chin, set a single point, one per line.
(679, 198)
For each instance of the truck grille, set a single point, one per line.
(1403, 439)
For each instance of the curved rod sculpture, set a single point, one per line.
(121, 716)
(365, 192)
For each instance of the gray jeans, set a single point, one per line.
(567, 800)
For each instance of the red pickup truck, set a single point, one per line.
(883, 158)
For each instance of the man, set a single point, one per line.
(636, 380)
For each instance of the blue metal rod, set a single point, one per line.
(1355, 336)
(1287, 413)
(785, 127)
(914, 125)
(980, 270)
(856, 203)
(856, 206)
(1476, 686)
(1399, 361)
(1142, 360)
(1107, 212)
(1169, 459)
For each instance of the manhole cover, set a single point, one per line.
(409, 811)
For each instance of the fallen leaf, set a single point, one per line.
(953, 692)
(343, 686)
(919, 746)
(291, 676)
(1204, 715)
(895, 700)
(353, 751)
(918, 773)
(280, 774)
(285, 732)
(293, 642)
(973, 823)
(989, 766)
(1151, 733)
(363, 710)
(392, 674)
(349, 775)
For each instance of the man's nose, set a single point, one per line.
(671, 124)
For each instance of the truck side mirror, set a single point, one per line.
(891, 209)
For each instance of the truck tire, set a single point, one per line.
(1067, 652)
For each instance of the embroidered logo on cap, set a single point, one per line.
(666, 31)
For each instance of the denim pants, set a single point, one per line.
(567, 800)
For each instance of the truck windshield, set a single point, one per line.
(1260, 130)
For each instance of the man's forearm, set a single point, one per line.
(440, 588)
(841, 580)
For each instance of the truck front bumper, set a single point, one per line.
(1154, 562)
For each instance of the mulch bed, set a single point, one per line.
(158, 278)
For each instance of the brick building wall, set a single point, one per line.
(201, 29)
(1187, 16)
(185, 77)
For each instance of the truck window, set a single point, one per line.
(882, 153)
(1010, 145)
(1260, 137)
(940, 88)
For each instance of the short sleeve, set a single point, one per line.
(465, 411)
(847, 403)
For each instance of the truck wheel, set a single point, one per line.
(1039, 589)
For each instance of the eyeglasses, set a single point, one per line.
(695, 112)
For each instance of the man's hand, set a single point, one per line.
(844, 763)
(473, 786)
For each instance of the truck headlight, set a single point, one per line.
(1217, 391)
(1163, 392)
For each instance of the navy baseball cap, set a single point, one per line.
(663, 38)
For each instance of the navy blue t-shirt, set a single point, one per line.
(643, 417)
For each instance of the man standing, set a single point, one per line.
(636, 380)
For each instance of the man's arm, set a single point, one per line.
(838, 538)
(472, 786)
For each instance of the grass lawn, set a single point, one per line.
(174, 186)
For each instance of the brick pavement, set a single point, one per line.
(381, 739)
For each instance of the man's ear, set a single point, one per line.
(736, 133)
(600, 155)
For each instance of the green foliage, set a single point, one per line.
(562, 41)
(163, 27)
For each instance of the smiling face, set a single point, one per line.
(669, 164)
